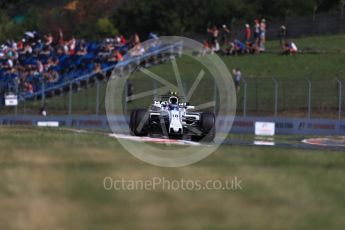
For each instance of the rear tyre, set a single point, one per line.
(132, 121)
(140, 118)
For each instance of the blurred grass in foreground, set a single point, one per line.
(53, 179)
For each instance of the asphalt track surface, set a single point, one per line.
(322, 143)
(315, 143)
(303, 144)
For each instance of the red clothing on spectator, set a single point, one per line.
(206, 45)
(29, 88)
(72, 46)
(119, 56)
(20, 45)
(248, 33)
(123, 40)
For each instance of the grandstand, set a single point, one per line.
(52, 70)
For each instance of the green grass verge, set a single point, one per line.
(52, 179)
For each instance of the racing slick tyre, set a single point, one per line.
(209, 137)
(132, 121)
(208, 121)
(138, 118)
(207, 126)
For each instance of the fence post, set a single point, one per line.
(342, 5)
(314, 19)
(276, 91)
(70, 99)
(180, 49)
(43, 96)
(232, 28)
(215, 109)
(154, 85)
(24, 107)
(244, 97)
(125, 98)
(97, 96)
(16, 107)
(309, 97)
(340, 88)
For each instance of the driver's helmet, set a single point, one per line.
(173, 100)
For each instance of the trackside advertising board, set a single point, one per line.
(264, 128)
(245, 125)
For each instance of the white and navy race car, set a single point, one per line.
(173, 119)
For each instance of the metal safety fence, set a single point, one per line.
(292, 98)
(303, 98)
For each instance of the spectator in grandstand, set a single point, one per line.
(10, 63)
(116, 56)
(99, 73)
(60, 39)
(108, 45)
(82, 49)
(30, 36)
(135, 39)
(225, 34)
(207, 49)
(47, 51)
(290, 48)
(98, 68)
(251, 48)
(117, 42)
(237, 75)
(2, 53)
(230, 50)
(51, 76)
(214, 33)
(235, 48)
(262, 34)
(256, 32)
(27, 49)
(28, 88)
(137, 50)
(283, 36)
(40, 67)
(51, 62)
(72, 44)
(239, 47)
(123, 40)
(49, 39)
(60, 50)
(20, 45)
(248, 33)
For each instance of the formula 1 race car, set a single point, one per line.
(170, 118)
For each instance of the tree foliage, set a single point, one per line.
(179, 16)
(98, 18)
